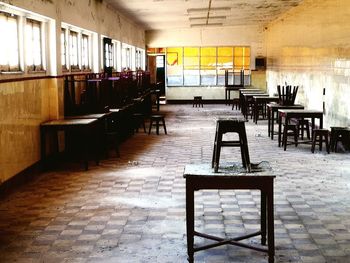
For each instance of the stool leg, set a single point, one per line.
(284, 140)
(150, 127)
(308, 130)
(217, 152)
(296, 137)
(244, 150)
(321, 141)
(164, 125)
(157, 127)
(313, 142)
(327, 143)
(215, 146)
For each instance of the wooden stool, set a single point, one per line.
(139, 119)
(230, 125)
(320, 133)
(197, 100)
(339, 134)
(157, 119)
(303, 125)
(201, 176)
(236, 103)
(290, 130)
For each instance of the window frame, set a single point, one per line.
(32, 68)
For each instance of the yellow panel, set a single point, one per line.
(225, 51)
(246, 61)
(238, 62)
(174, 56)
(225, 62)
(238, 51)
(247, 51)
(208, 61)
(191, 61)
(208, 52)
(191, 51)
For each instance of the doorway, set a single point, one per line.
(160, 73)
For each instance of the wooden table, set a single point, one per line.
(288, 114)
(272, 108)
(202, 176)
(87, 128)
(247, 98)
(101, 123)
(228, 90)
(261, 100)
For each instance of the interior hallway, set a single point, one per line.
(132, 209)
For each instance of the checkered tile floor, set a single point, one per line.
(132, 208)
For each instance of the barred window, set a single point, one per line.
(34, 49)
(73, 50)
(85, 52)
(9, 48)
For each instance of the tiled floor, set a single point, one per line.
(132, 209)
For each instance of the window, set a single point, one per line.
(191, 66)
(108, 50)
(139, 59)
(9, 51)
(73, 50)
(194, 66)
(34, 48)
(174, 61)
(126, 57)
(85, 52)
(208, 66)
(64, 52)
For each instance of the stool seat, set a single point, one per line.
(225, 125)
(320, 133)
(197, 101)
(157, 120)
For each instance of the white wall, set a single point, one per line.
(309, 46)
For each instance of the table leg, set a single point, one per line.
(256, 111)
(272, 123)
(263, 217)
(43, 146)
(190, 219)
(279, 129)
(270, 222)
(268, 122)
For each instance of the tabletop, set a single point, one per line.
(69, 122)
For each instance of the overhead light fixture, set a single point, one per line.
(197, 18)
(206, 25)
(217, 17)
(199, 10)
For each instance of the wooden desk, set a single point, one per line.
(298, 114)
(263, 100)
(228, 90)
(272, 108)
(202, 176)
(86, 127)
(247, 98)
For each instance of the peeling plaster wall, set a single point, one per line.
(253, 36)
(26, 104)
(309, 46)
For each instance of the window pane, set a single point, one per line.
(191, 51)
(175, 66)
(225, 51)
(9, 53)
(63, 48)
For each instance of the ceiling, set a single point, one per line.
(167, 14)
